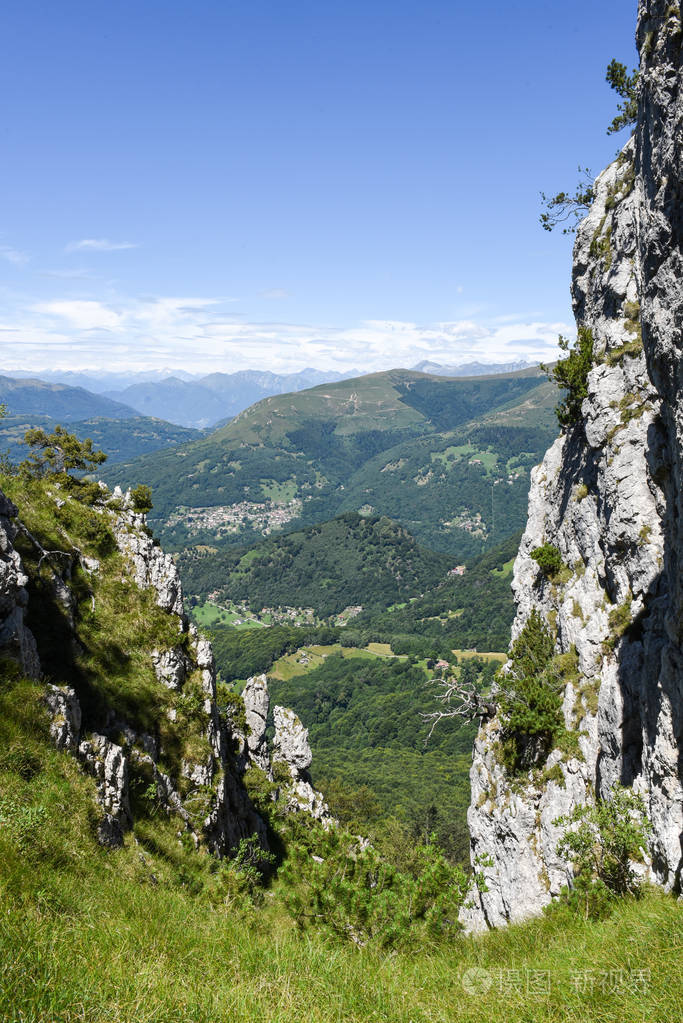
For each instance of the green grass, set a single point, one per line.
(491, 655)
(156, 933)
(208, 614)
(505, 570)
(290, 665)
(92, 936)
(280, 493)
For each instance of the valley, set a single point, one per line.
(352, 606)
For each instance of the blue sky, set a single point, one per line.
(281, 183)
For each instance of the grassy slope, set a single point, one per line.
(116, 625)
(148, 934)
(158, 933)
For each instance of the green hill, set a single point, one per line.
(449, 459)
(350, 560)
(470, 611)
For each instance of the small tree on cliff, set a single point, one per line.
(626, 86)
(571, 376)
(60, 452)
(568, 208)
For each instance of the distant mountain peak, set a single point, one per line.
(472, 369)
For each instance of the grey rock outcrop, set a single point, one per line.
(151, 567)
(609, 496)
(291, 741)
(171, 667)
(16, 640)
(108, 764)
(65, 717)
(256, 702)
(291, 745)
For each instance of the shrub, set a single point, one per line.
(601, 841)
(531, 697)
(571, 375)
(141, 497)
(361, 897)
(619, 621)
(548, 559)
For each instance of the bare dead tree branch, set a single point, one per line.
(461, 700)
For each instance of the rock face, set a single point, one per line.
(291, 746)
(608, 495)
(291, 741)
(16, 640)
(230, 815)
(151, 567)
(108, 763)
(256, 702)
(209, 797)
(65, 716)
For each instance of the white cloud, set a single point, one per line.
(98, 245)
(13, 256)
(86, 315)
(200, 334)
(275, 293)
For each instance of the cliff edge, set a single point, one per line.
(607, 501)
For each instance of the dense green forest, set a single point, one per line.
(352, 560)
(120, 439)
(472, 611)
(363, 716)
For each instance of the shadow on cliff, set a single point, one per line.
(650, 671)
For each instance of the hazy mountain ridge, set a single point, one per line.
(60, 401)
(205, 401)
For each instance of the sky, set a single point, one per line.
(273, 184)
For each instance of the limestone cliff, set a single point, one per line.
(608, 496)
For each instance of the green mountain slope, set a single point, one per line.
(350, 560)
(398, 443)
(462, 612)
(363, 716)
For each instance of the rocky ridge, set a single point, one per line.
(608, 496)
(113, 752)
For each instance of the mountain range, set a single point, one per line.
(204, 401)
(448, 459)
